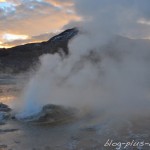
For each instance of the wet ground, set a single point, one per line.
(90, 132)
(78, 135)
(9, 88)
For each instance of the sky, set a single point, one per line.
(24, 21)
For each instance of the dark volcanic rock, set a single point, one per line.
(8, 130)
(21, 58)
(4, 108)
(4, 116)
(4, 113)
(51, 114)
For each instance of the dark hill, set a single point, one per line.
(21, 58)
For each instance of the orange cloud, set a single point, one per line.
(59, 3)
(33, 18)
(12, 37)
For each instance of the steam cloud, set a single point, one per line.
(96, 75)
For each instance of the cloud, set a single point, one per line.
(6, 8)
(32, 39)
(12, 37)
(34, 17)
(61, 3)
(117, 16)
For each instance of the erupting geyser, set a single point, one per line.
(101, 73)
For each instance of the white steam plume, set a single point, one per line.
(97, 75)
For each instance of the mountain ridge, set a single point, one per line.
(22, 57)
